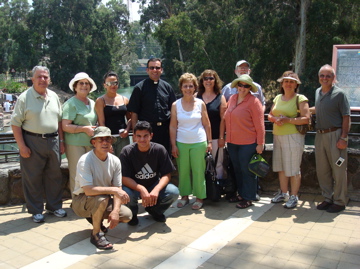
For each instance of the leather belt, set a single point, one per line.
(329, 130)
(42, 135)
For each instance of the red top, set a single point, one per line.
(245, 122)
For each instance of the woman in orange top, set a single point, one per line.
(245, 135)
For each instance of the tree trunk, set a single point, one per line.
(300, 53)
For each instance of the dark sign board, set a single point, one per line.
(346, 62)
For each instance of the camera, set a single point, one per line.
(340, 161)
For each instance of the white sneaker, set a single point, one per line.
(292, 202)
(38, 218)
(60, 213)
(280, 197)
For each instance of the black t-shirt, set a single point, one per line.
(152, 102)
(146, 168)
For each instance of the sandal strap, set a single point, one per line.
(101, 242)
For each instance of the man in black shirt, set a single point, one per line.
(151, 101)
(146, 169)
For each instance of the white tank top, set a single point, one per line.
(190, 129)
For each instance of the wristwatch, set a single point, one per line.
(344, 138)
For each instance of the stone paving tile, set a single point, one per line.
(299, 238)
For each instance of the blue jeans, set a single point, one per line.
(246, 181)
(167, 196)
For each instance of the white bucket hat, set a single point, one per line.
(80, 76)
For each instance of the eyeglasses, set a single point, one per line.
(208, 78)
(112, 83)
(154, 67)
(104, 139)
(325, 76)
(187, 86)
(243, 86)
(82, 83)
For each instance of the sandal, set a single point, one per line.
(244, 204)
(235, 199)
(197, 205)
(181, 203)
(101, 242)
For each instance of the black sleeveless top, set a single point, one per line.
(213, 110)
(115, 117)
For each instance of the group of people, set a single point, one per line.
(108, 174)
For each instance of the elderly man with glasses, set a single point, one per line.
(243, 68)
(332, 126)
(151, 101)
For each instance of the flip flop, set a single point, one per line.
(181, 203)
(197, 205)
(101, 242)
(244, 204)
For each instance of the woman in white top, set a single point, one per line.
(190, 136)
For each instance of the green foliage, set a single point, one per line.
(201, 34)
(12, 86)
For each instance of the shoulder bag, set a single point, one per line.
(303, 129)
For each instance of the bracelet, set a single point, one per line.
(61, 140)
(209, 142)
(221, 138)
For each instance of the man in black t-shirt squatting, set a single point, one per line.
(146, 170)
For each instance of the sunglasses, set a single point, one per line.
(104, 139)
(82, 83)
(243, 86)
(111, 83)
(154, 67)
(208, 78)
(325, 76)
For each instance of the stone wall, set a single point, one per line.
(11, 185)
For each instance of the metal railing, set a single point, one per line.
(6, 139)
(8, 152)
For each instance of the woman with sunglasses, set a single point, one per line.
(245, 135)
(190, 137)
(210, 92)
(111, 109)
(288, 142)
(78, 122)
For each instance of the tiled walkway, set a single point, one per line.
(217, 236)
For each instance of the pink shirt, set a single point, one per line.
(244, 122)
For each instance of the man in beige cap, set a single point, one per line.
(98, 192)
(243, 68)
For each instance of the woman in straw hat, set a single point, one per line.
(288, 142)
(245, 136)
(78, 121)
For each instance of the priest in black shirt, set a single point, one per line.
(151, 101)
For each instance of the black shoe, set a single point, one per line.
(156, 216)
(134, 221)
(335, 208)
(323, 205)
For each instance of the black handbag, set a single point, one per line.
(303, 129)
(212, 184)
(258, 165)
(228, 182)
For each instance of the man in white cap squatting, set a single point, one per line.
(243, 68)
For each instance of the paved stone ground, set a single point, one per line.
(218, 236)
